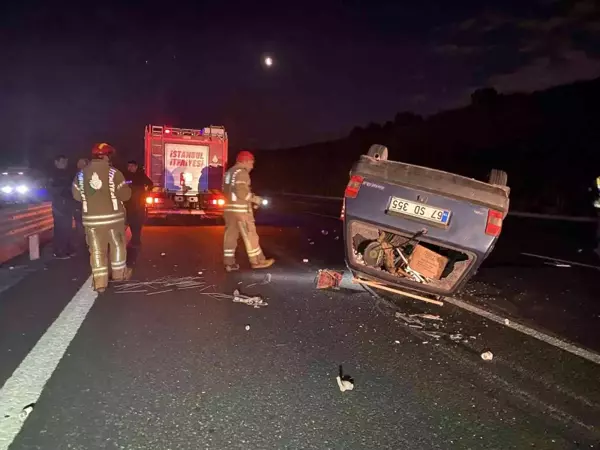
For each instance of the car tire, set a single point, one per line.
(498, 177)
(378, 152)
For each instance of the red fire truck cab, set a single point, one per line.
(187, 168)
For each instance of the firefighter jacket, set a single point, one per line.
(237, 191)
(101, 189)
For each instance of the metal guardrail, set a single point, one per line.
(522, 214)
(18, 223)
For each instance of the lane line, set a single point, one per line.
(508, 322)
(566, 261)
(27, 382)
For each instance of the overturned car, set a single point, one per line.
(419, 229)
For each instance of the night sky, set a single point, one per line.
(73, 74)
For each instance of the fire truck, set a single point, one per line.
(187, 168)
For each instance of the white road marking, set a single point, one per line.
(566, 261)
(25, 385)
(508, 322)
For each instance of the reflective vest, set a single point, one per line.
(236, 188)
(102, 189)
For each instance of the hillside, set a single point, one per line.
(547, 141)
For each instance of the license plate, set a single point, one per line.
(419, 210)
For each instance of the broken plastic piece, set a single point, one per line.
(328, 279)
(345, 385)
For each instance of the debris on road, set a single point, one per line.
(266, 280)
(305, 260)
(427, 316)
(326, 279)
(557, 264)
(487, 356)
(163, 254)
(26, 411)
(345, 385)
(247, 327)
(324, 232)
(161, 285)
(344, 382)
(255, 301)
(396, 291)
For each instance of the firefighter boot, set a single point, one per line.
(263, 264)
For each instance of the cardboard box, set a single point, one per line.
(427, 262)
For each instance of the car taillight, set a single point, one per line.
(353, 186)
(494, 223)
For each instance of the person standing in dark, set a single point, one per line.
(136, 206)
(79, 230)
(63, 208)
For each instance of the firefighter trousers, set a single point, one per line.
(101, 241)
(237, 224)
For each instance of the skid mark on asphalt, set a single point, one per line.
(25, 385)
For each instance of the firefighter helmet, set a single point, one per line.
(103, 149)
(244, 156)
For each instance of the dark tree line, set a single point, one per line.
(547, 141)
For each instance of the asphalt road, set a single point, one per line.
(184, 370)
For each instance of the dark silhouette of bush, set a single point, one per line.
(547, 141)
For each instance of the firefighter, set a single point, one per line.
(239, 216)
(102, 189)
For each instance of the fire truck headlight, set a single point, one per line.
(22, 189)
(220, 202)
(7, 189)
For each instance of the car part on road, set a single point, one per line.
(396, 291)
(255, 301)
(327, 279)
